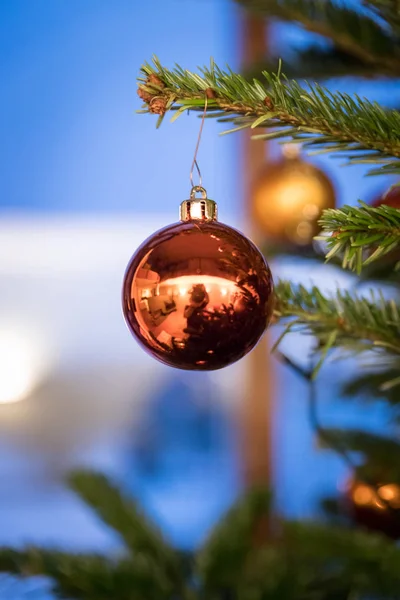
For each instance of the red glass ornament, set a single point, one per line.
(392, 198)
(198, 294)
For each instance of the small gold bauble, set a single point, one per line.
(288, 198)
(375, 507)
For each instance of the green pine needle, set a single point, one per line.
(123, 515)
(223, 557)
(342, 321)
(355, 33)
(248, 556)
(361, 234)
(90, 577)
(320, 119)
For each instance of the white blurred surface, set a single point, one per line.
(93, 389)
(90, 383)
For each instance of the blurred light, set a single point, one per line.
(363, 494)
(182, 291)
(391, 493)
(17, 367)
(386, 495)
(223, 291)
(186, 281)
(311, 211)
(304, 230)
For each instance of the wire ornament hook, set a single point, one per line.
(195, 163)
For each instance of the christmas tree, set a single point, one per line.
(251, 554)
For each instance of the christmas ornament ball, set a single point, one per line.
(197, 294)
(375, 507)
(391, 198)
(288, 198)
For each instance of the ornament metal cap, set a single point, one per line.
(198, 209)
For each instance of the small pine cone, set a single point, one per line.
(268, 103)
(154, 79)
(145, 96)
(157, 106)
(210, 93)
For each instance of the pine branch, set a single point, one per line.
(223, 559)
(332, 508)
(388, 11)
(295, 561)
(90, 577)
(376, 385)
(317, 64)
(123, 515)
(343, 321)
(320, 119)
(385, 270)
(372, 446)
(338, 559)
(380, 455)
(354, 33)
(356, 230)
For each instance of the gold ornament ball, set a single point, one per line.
(375, 507)
(288, 199)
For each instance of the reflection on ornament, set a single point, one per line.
(377, 508)
(288, 198)
(215, 291)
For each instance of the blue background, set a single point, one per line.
(70, 142)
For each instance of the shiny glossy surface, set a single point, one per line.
(288, 199)
(197, 295)
(391, 198)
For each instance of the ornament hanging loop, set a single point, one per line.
(198, 189)
(195, 163)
